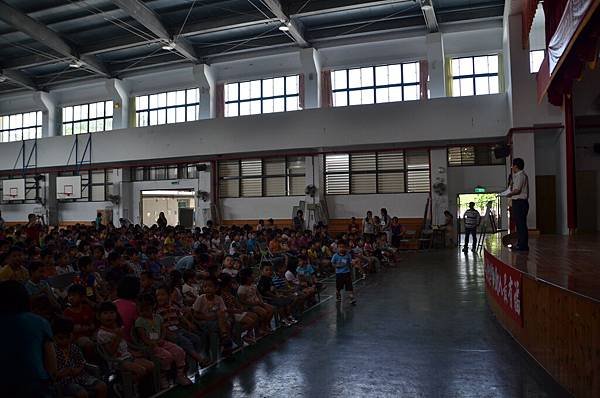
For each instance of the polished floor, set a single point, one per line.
(420, 330)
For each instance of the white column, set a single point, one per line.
(437, 65)
(202, 213)
(524, 148)
(439, 175)
(122, 187)
(51, 117)
(311, 68)
(204, 76)
(119, 93)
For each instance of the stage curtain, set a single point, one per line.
(529, 9)
(301, 90)
(326, 89)
(424, 78)
(220, 100)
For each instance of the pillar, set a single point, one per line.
(437, 65)
(119, 93)
(51, 117)
(524, 148)
(122, 187)
(439, 175)
(203, 205)
(569, 124)
(205, 78)
(310, 59)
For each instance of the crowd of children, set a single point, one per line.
(147, 304)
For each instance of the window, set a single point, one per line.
(96, 185)
(377, 172)
(279, 94)
(87, 118)
(21, 126)
(283, 176)
(376, 84)
(166, 108)
(168, 172)
(475, 75)
(482, 155)
(536, 57)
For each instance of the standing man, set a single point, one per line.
(520, 203)
(471, 219)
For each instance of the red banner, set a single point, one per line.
(505, 285)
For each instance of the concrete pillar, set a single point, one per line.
(51, 116)
(437, 65)
(524, 148)
(203, 213)
(204, 76)
(51, 201)
(439, 175)
(311, 68)
(122, 187)
(119, 93)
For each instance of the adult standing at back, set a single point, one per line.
(520, 203)
(471, 220)
(369, 225)
(162, 221)
(386, 222)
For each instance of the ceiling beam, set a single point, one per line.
(148, 18)
(42, 34)
(19, 78)
(429, 15)
(295, 28)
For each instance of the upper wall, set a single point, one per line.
(440, 121)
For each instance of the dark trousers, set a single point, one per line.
(520, 208)
(468, 233)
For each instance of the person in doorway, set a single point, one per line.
(162, 220)
(471, 220)
(520, 203)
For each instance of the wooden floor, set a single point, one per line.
(572, 263)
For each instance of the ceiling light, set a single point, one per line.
(75, 64)
(2, 79)
(285, 27)
(168, 46)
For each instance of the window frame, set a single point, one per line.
(88, 119)
(474, 75)
(182, 170)
(375, 86)
(185, 106)
(262, 97)
(476, 161)
(8, 130)
(405, 171)
(263, 177)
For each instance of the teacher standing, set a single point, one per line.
(520, 203)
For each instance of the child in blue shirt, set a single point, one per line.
(342, 261)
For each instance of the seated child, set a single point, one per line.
(210, 313)
(246, 320)
(110, 339)
(70, 364)
(228, 266)
(178, 327)
(150, 333)
(282, 302)
(252, 301)
(82, 316)
(190, 288)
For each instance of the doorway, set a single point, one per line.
(177, 205)
(481, 201)
(545, 204)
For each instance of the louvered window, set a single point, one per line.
(481, 155)
(262, 177)
(377, 172)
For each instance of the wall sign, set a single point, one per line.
(505, 286)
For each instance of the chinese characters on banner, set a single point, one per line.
(505, 285)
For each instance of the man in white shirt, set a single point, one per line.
(520, 203)
(471, 220)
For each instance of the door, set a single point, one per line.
(586, 201)
(545, 204)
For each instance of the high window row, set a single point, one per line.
(476, 75)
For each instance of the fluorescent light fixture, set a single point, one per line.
(168, 46)
(2, 79)
(285, 26)
(75, 64)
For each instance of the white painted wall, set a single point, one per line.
(407, 205)
(255, 208)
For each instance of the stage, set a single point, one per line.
(548, 299)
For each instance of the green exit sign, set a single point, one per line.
(479, 189)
